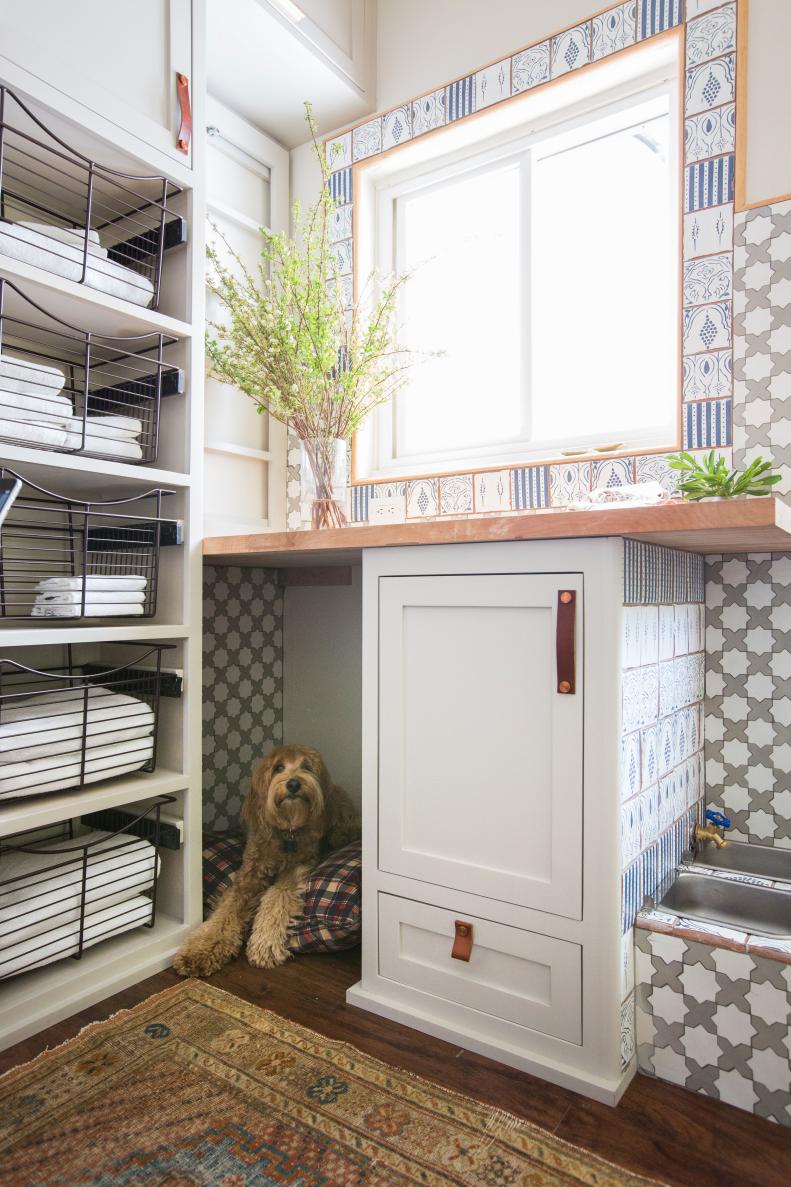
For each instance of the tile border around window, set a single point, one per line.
(709, 53)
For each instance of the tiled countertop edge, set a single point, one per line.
(717, 935)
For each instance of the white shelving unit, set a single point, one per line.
(116, 136)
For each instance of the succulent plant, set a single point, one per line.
(712, 478)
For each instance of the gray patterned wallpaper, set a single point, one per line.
(242, 683)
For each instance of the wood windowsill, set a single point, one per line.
(748, 525)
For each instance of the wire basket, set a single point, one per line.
(61, 893)
(66, 558)
(70, 390)
(79, 219)
(78, 725)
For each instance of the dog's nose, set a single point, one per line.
(293, 786)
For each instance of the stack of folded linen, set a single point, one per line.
(61, 250)
(41, 896)
(41, 739)
(31, 409)
(90, 597)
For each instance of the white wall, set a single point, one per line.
(322, 675)
(768, 100)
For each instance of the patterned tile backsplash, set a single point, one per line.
(242, 684)
(709, 132)
(748, 682)
(662, 684)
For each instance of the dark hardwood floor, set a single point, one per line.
(657, 1130)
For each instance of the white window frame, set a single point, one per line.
(376, 246)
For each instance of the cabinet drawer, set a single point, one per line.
(532, 980)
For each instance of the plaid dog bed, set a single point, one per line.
(330, 921)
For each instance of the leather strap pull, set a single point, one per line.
(566, 641)
(462, 943)
(185, 123)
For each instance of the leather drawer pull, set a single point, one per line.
(565, 640)
(185, 113)
(462, 943)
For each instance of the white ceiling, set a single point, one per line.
(265, 58)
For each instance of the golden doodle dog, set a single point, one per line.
(293, 815)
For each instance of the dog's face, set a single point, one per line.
(289, 789)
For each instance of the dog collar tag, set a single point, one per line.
(289, 840)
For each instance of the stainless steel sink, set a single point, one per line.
(761, 860)
(739, 905)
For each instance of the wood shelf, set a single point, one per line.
(743, 525)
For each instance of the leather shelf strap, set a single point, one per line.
(566, 641)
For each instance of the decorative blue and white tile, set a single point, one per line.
(460, 98)
(492, 490)
(649, 694)
(697, 7)
(654, 468)
(346, 290)
(630, 766)
(428, 112)
(627, 1026)
(630, 831)
(648, 757)
(681, 635)
(631, 686)
(613, 472)
(422, 498)
(708, 231)
(707, 279)
(712, 35)
(707, 327)
(340, 185)
(667, 618)
(668, 696)
(455, 494)
(341, 224)
(339, 151)
(655, 16)
(530, 487)
(613, 30)
(631, 637)
(530, 68)
(710, 85)
(667, 803)
(710, 133)
(396, 127)
(492, 84)
(569, 482)
(341, 256)
(707, 376)
(664, 750)
(570, 50)
(707, 424)
(631, 893)
(649, 635)
(367, 140)
(361, 495)
(709, 183)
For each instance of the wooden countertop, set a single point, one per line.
(743, 525)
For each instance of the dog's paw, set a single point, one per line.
(197, 962)
(266, 954)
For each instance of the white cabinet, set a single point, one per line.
(491, 804)
(473, 733)
(120, 61)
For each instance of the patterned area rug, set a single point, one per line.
(196, 1087)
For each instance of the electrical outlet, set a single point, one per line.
(392, 510)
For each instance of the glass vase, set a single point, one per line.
(323, 472)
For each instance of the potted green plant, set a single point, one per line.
(712, 478)
(291, 342)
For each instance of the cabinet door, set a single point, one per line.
(120, 60)
(480, 756)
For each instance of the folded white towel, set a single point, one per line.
(64, 941)
(114, 428)
(33, 244)
(20, 374)
(132, 581)
(35, 411)
(41, 775)
(91, 610)
(58, 716)
(98, 597)
(35, 896)
(73, 746)
(75, 236)
(124, 450)
(41, 433)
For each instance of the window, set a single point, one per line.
(543, 293)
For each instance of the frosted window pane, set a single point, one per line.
(603, 258)
(463, 238)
